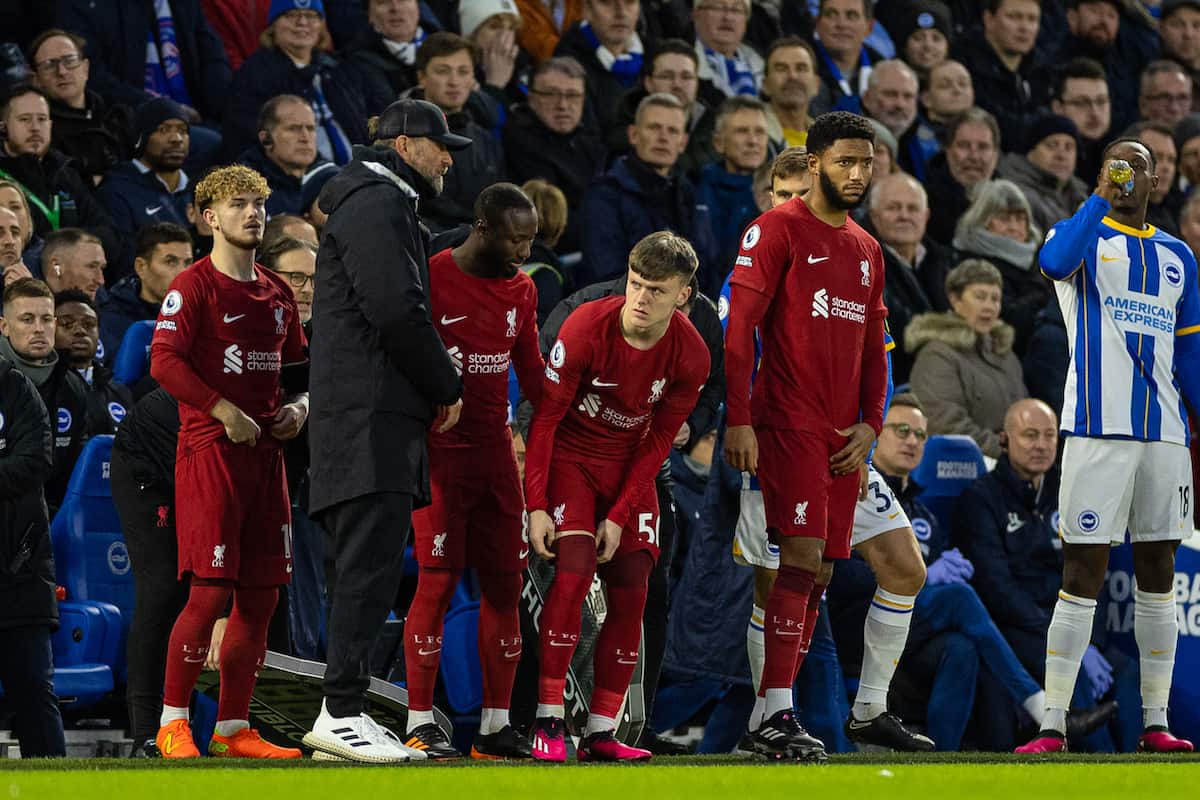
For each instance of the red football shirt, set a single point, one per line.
(824, 289)
(606, 403)
(219, 337)
(485, 323)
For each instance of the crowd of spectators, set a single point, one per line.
(619, 118)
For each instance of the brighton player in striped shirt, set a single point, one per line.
(1129, 298)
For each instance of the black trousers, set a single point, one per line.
(148, 520)
(367, 536)
(27, 672)
(658, 598)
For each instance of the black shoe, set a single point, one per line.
(502, 745)
(888, 731)
(146, 749)
(662, 747)
(745, 745)
(431, 740)
(781, 736)
(1090, 720)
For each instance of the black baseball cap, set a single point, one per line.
(418, 118)
(1169, 7)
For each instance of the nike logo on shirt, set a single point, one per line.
(153, 209)
(599, 384)
(234, 318)
(451, 320)
(812, 260)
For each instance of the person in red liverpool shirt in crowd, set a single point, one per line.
(622, 378)
(485, 310)
(227, 331)
(810, 281)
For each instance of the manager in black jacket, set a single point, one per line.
(28, 609)
(380, 377)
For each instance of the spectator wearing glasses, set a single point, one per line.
(1165, 93)
(1081, 94)
(727, 63)
(545, 138)
(963, 365)
(85, 127)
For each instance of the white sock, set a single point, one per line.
(756, 716)
(418, 718)
(492, 720)
(1068, 637)
(599, 724)
(1156, 630)
(549, 710)
(778, 700)
(172, 713)
(755, 647)
(884, 635)
(228, 727)
(1035, 706)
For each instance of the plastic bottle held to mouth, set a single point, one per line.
(1120, 173)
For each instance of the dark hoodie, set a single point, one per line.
(99, 136)
(134, 199)
(26, 559)
(107, 402)
(121, 307)
(378, 365)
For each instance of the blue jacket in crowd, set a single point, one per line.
(121, 307)
(135, 197)
(731, 207)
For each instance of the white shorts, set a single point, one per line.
(1110, 485)
(879, 513)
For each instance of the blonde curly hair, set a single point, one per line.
(226, 182)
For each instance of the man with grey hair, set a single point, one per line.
(645, 192)
(971, 154)
(726, 186)
(891, 98)
(916, 266)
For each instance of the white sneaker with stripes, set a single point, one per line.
(358, 738)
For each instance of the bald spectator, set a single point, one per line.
(790, 84)
(1011, 80)
(56, 191)
(1165, 93)
(672, 68)
(546, 138)
(606, 44)
(1081, 94)
(727, 63)
(971, 155)
(922, 36)
(1045, 171)
(841, 31)
(891, 98)
(86, 127)
(73, 259)
(286, 153)
(916, 266)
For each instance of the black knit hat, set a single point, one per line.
(150, 115)
(1047, 125)
(922, 15)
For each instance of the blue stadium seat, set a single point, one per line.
(950, 464)
(461, 673)
(90, 556)
(132, 361)
(86, 646)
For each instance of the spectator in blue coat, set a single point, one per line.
(645, 192)
(152, 187)
(161, 251)
(1007, 523)
(289, 62)
(727, 186)
(286, 153)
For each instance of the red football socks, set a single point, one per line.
(575, 566)
(810, 624)
(243, 649)
(625, 581)
(188, 645)
(499, 635)
(787, 609)
(423, 633)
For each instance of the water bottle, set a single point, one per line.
(1120, 173)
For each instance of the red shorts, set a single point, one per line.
(477, 518)
(233, 518)
(801, 496)
(580, 496)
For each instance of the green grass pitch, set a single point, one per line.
(862, 777)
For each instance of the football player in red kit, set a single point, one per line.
(622, 378)
(810, 281)
(226, 332)
(485, 310)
